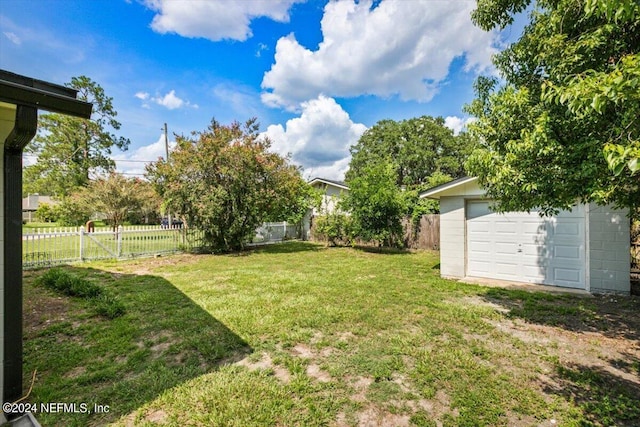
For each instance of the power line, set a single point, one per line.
(115, 160)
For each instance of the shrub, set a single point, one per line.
(46, 213)
(61, 281)
(103, 303)
(334, 228)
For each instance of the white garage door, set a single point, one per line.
(525, 247)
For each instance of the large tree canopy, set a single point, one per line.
(564, 124)
(418, 148)
(69, 148)
(226, 182)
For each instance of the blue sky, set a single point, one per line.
(316, 74)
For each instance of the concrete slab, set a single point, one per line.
(531, 287)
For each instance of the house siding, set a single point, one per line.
(452, 237)
(609, 250)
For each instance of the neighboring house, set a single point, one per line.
(20, 99)
(332, 192)
(31, 203)
(586, 248)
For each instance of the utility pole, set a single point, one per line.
(166, 143)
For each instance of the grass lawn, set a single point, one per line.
(299, 334)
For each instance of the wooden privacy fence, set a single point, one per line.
(425, 234)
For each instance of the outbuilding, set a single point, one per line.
(585, 248)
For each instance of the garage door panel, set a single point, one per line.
(506, 248)
(534, 227)
(567, 229)
(531, 250)
(479, 246)
(526, 247)
(479, 268)
(533, 274)
(506, 227)
(567, 252)
(479, 226)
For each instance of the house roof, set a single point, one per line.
(20, 90)
(339, 184)
(437, 191)
(33, 202)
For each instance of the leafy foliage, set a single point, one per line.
(225, 182)
(334, 227)
(69, 148)
(565, 126)
(114, 196)
(46, 213)
(418, 148)
(74, 209)
(376, 204)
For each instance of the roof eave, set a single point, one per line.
(435, 192)
(41, 98)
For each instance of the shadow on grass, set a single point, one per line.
(163, 340)
(287, 247)
(613, 316)
(382, 250)
(605, 398)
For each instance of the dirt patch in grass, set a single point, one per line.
(157, 416)
(47, 309)
(374, 417)
(266, 363)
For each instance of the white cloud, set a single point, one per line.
(142, 95)
(170, 100)
(215, 20)
(319, 139)
(133, 163)
(400, 48)
(458, 124)
(13, 37)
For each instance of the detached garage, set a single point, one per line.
(586, 248)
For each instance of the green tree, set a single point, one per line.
(376, 204)
(114, 196)
(74, 208)
(46, 213)
(418, 148)
(69, 148)
(564, 125)
(225, 182)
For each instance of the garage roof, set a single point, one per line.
(448, 189)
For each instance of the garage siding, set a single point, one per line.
(609, 250)
(452, 237)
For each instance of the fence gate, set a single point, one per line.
(100, 245)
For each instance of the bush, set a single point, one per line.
(46, 213)
(334, 228)
(68, 284)
(103, 303)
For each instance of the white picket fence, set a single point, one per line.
(51, 246)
